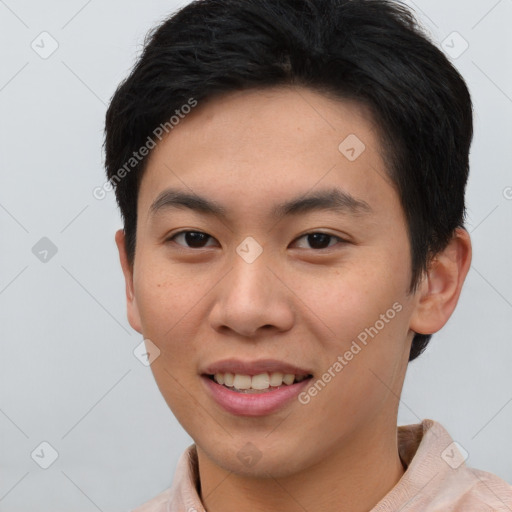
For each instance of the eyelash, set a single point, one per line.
(340, 240)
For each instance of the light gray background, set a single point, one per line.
(68, 375)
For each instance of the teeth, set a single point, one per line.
(288, 379)
(261, 381)
(242, 381)
(276, 379)
(228, 379)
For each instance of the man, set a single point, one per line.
(291, 176)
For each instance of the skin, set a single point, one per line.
(249, 151)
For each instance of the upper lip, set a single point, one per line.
(253, 367)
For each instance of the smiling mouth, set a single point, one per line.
(261, 383)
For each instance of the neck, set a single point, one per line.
(355, 477)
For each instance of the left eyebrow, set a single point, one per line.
(333, 199)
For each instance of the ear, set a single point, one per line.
(440, 288)
(131, 302)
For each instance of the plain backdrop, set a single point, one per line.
(68, 375)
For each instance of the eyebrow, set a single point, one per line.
(333, 199)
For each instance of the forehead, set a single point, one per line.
(259, 147)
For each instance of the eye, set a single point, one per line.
(199, 240)
(192, 239)
(318, 240)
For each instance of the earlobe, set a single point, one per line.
(131, 302)
(440, 289)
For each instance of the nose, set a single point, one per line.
(251, 299)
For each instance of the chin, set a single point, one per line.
(270, 462)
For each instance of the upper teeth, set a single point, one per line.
(260, 381)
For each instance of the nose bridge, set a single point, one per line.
(249, 278)
(250, 296)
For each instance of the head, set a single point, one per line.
(316, 151)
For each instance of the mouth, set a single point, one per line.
(265, 382)
(254, 388)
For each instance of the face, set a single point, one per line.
(270, 241)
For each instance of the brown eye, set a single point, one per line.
(319, 240)
(192, 239)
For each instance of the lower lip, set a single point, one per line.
(253, 404)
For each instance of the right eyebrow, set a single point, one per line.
(173, 198)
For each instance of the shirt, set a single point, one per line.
(436, 479)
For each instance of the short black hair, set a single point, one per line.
(372, 51)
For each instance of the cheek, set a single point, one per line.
(347, 300)
(363, 378)
(165, 300)
(364, 313)
(169, 304)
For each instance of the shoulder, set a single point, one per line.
(182, 495)
(458, 486)
(472, 490)
(437, 478)
(157, 504)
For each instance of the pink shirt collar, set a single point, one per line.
(436, 479)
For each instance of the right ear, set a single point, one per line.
(131, 302)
